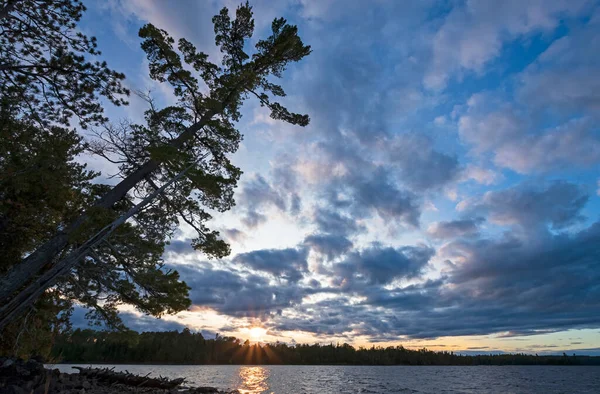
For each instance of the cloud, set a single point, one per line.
(514, 145)
(362, 189)
(484, 176)
(422, 167)
(257, 195)
(455, 228)
(339, 154)
(180, 20)
(504, 285)
(530, 206)
(574, 143)
(328, 317)
(473, 33)
(380, 195)
(238, 294)
(235, 235)
(288, 264)
(520, 140)
(330, 221)
(547, 285)
(381, 265)
(566, 75)
(331, 246)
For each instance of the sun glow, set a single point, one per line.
(257, 333)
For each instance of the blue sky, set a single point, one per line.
(446, 193)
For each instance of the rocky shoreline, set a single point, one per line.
(31, 377)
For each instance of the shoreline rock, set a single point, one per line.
(31, 377)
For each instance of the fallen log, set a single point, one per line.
(18, 376)
(111, 377)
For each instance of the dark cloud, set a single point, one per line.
(421, 167)
(284, 175)
(295, 204)
(332, 222)
(523, 145)
(384, 197)
(286, 179)
(288, 264)
(238, 294)
(408, 298)
(513, 284)
(350, 120)
(502, 285)
(566, 76)
(382, 265)
(331, 246)
(257, 194)
(557, 204)
(549, 284)
(233, 234)
(253, 219)
(364, 188)
(455, 228)
(258, 191)
(329, 317)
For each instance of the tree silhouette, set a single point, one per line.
(176, 165)
(192, 348)
(45, 71)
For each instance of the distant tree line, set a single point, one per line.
(186, 347)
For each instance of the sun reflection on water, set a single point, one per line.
(254, 380)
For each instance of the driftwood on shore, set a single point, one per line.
(110, 376)
(31, 377)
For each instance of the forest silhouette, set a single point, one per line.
(187, 347)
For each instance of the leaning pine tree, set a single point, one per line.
(175, 166)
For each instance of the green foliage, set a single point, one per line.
(42, 189)
(45, 71)
(87, 346)
(34, 333)
(41, 186)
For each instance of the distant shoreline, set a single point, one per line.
(189, 348)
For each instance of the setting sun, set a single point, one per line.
(256, 333)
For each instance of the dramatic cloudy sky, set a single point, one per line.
(446, 193)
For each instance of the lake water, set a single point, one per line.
(293, 379)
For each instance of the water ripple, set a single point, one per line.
(292, 379)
